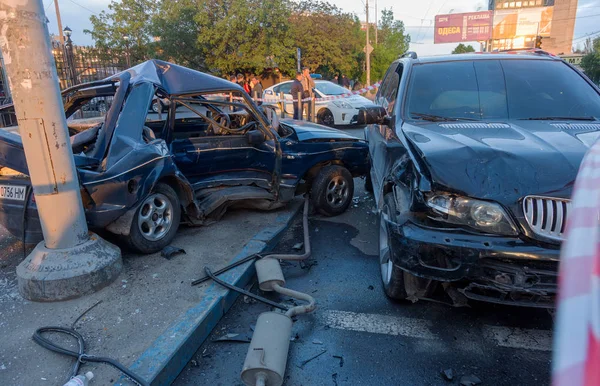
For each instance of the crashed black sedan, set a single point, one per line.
(474, 158)
(142, 173)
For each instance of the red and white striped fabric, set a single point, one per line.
(576, 359)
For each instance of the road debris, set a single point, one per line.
(448, 374)
(469, 380)
(341, 358)
(316, 341)
(310, 359)
(298, 246)
(169, 251)
(371, 287)
(233, 338)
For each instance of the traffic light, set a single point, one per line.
(538, 42)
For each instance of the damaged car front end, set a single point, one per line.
(479, 204)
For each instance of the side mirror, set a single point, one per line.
(372, 115)
(255, 137)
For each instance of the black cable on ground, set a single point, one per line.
(80, 354)
(243, 291)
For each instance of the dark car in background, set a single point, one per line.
(141, 173)
(473, 163)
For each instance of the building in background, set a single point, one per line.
(518, 24)
(510, 24)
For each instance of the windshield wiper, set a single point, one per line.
(439, 118)
(559, 119)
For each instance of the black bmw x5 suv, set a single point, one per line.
(473, 160)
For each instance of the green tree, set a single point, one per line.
(244, 35)
(393, 42)
(590, 63)
(125, 26)
(463, 49)
(330, 39)
(176, 32)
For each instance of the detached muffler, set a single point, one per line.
(267, 356)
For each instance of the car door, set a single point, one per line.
(380, 136)
(208, 158)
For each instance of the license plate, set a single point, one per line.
(9, 192)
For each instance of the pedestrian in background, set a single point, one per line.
(297, 88)
(232, 78)
(242, 82)
(308, 84)
(345, 82)
(257, 88)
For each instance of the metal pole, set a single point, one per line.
(313, 109)
(282, 99)
(69, 262)
(61, 38)
(367, 48)
(300, 106)
(376, 26)
(42, 124)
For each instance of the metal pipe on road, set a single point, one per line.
(310, 307)
(307, 251)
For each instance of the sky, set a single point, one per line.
(417, 17)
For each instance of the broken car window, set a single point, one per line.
(213, 115)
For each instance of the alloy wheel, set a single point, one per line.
(155, 217)
(337, 192)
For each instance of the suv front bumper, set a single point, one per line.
(497, 269)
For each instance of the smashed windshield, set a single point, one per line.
(492, 89)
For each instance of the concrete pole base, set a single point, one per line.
(48, 275)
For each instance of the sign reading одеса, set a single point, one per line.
(463, 27)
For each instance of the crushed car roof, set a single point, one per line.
(177, 80)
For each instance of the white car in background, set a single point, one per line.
(343, 111)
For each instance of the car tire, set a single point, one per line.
(156, 221)
(332, 190)
(392, 277)
(155, 107)
(397, 283)
(325, 117)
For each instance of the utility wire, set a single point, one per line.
(87, 9)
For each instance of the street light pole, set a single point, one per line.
(367, 48)
(70, 62)
(127, 59)
(69, 262)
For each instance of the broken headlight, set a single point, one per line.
(485, 216)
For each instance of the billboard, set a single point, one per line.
(522, 22)
(463, 27)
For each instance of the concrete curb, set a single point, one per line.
(162, 362)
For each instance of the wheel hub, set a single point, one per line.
(337, 192)
(155, 217)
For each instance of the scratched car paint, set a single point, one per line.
(141, 174)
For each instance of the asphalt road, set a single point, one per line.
(367, 339)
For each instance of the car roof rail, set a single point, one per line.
(534, 51)
(409, 54)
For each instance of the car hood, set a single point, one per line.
(311, 132)
(502, 161)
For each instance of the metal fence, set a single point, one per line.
(81, 64)
(74, 65)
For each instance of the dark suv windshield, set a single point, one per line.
(507, 89)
